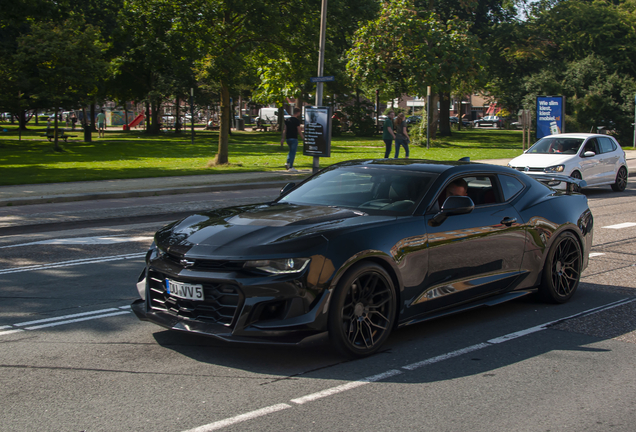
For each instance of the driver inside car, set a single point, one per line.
(457, 187)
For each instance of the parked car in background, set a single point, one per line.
(414, 119)
(597, 159)
(488, 122)
(269, 116)
(455, 120)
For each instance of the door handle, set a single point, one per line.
(508, 221)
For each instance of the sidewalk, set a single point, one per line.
(21, 214)
(130, 188)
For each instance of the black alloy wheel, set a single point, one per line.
(621, 180)
(562, 270)
(576, 175)
(362, 310)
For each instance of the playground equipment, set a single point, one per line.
(135, 122)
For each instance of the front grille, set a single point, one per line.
(532, 169)
(200, 264)
(220, 304)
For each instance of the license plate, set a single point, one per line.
(184, 290)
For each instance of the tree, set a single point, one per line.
(406, 49)
(62, 62)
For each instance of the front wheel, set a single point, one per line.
(621, 180)
(562, 270)
(576, 175)
(362, 310)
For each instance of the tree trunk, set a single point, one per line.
(56, 145)
(224, 127)
(444, 114)
(434, 115)
(92, 122)
(22, 120)
(177, 119)
(147, 118)
(281, 125)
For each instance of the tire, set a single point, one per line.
(621, 180)
(576, 175)
(562, 269)
(362, 310)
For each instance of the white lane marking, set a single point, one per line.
(515, 335)
(345, 387)
(621, 225)
(64, 319)
(57, 323)
(240, 418)
(446, 356)
(71, 263)
(595, 254)
(2, 333)
(103, 240)
(350, 385)
(26, 323)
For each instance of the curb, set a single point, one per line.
(144, 193)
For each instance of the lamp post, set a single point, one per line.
(428, 117)
(321, 64)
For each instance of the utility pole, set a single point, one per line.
(321, 64)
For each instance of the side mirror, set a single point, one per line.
(589, 154)
(453, 206)
(287, 188)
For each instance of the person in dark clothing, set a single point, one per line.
(387, 133)
(291, 132)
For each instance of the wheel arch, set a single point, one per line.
(569, 228)
(381, 260)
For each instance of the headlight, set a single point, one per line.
(555, 168)
(154, 252)
(279, 266)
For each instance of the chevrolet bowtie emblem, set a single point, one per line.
(186, 263)
(526, 169)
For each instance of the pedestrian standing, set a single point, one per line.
(401, 136)
(101, 124)
(387, 133)
(291, 132)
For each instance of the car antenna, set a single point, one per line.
(465, 159)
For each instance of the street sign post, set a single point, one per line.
(329, 78)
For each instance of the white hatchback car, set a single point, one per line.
(597, 159)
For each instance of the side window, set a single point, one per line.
(591, 145)
(510, 186)
(607, 145)
(481, 190)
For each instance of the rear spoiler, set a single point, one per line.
(555, 179)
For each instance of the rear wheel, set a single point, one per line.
(562, 270)
(362, 310)
(621, 180)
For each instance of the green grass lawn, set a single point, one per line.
(133, 154)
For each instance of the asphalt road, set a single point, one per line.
(74, 358)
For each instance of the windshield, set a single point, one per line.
(368, 189)
(556, 145)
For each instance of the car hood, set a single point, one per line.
(255, 230)
(540, 160)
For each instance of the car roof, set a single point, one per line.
(577, 135)
(425, 165)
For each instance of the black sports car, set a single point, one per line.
(363, 247)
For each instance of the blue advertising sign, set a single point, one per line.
(550, 112)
